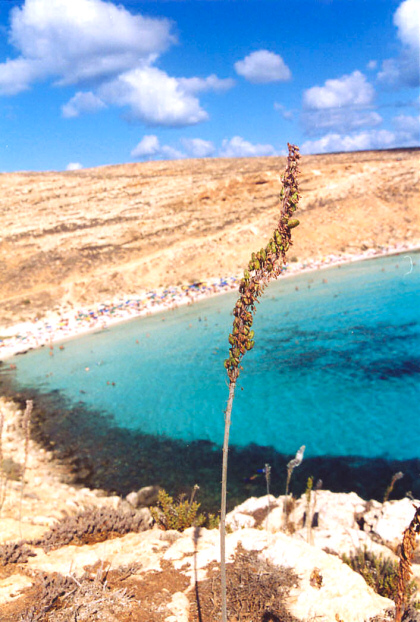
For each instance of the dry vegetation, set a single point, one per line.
(80, 237)
(257, 590)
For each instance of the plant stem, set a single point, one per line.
(264, 265)
(228, 412)
(26, 424)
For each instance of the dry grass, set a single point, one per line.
(92, 525)
(256, 591)
(406, 556)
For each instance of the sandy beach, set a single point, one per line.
(61, 325)
(71, 240)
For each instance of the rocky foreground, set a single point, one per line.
(285, 566)
(77, 238)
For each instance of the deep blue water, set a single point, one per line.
(336, 366)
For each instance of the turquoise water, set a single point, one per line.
(336, 366)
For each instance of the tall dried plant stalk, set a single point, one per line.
(295, 462)
(267, 474)
(404, 570)
(26, 426)
(3, 474)
(390, 488)
(264, 266)
(308, 519)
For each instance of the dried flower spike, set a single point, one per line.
(390, 488)
(406, 556)
(295, 462)
(264, 266)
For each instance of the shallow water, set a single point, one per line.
(336, 367)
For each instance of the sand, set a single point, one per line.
(62, 324)
(71, 240)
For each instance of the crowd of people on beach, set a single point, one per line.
(61, 326)
(29, 335)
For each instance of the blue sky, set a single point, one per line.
(86, 83)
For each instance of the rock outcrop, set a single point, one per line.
(167, 576)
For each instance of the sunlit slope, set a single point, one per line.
(83, 236)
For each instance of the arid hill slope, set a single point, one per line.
(79, 237)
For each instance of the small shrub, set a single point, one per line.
(12, 470)
(89, 598)
(213, 521)
(180, 514)
(92, 525)
(15, 553)
(257, 590)
(380, 573)
(50, 591)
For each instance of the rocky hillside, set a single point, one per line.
(71, 553)
(80, 237)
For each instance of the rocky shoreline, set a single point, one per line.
(182, 563)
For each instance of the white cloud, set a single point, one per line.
(349, 90)
(237, 147)
(407, 20)
(391, 72)
(170, 153)
(211, 83)
(340, 120)
(153, 97)
(77, 41)
(263, 66)
(405, 69)
(73, 166)
(16, 75)
(82, 102)
(286, 114)
(372, 64)
(368, 140)
(98, 43)
(408, 128)
(149, 147)
(198, 148)
(341, 105)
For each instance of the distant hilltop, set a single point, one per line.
(80, 237)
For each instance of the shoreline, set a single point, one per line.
(65, 325)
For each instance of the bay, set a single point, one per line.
(336, 368)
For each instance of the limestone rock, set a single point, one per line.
(11, 587)
(132, 499)
(179, 605)
(254, 511)
(344, 522)
(390, 520)
(238, 520)
(332, 509)
(342, 591)
(147, 496)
